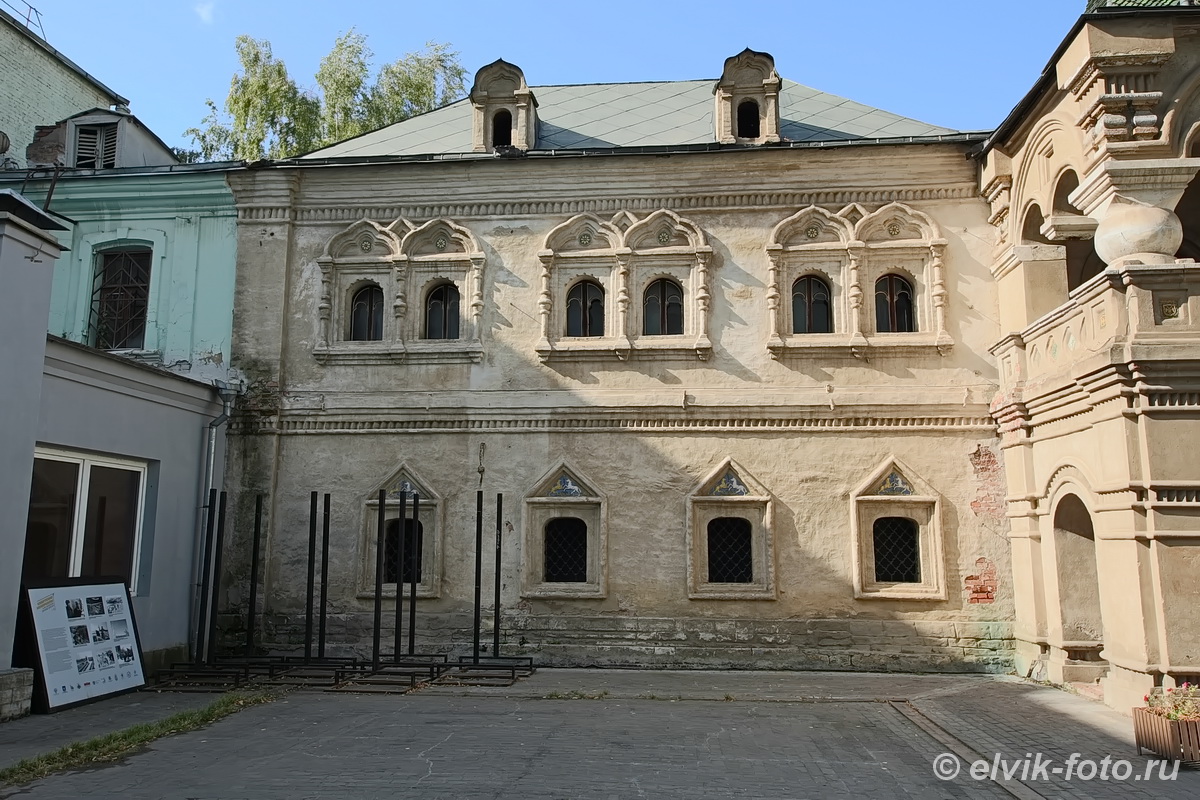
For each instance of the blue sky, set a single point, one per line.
(958, 63)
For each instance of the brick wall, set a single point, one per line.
(37, 89)
(16, 692)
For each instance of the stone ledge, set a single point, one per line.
(16, 692)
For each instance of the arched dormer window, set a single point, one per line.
(585, 309)
(662, 309)
(441, 312)
(895, 311)
(502, 129)
(748, 120)
(812, 311)
(366, 314)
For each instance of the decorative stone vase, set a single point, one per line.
(1174, 739)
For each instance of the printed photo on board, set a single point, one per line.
(120, 628)
(79, 635)
(85, 664)
(74, 608)
(95, 606)
(125, 654)
(115, 604)
(100, 633)
(105, 659)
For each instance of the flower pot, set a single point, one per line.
(1174, 739)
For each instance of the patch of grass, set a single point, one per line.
(115, 746)
(574, 694)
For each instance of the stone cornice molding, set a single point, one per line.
(482, 208)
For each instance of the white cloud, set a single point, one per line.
(205, 12)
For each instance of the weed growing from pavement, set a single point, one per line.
(115, 746)
(576, 695)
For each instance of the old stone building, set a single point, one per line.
(767, 378)
(732, 381)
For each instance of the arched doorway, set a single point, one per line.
(1081, 623)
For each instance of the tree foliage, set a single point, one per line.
(267, 115)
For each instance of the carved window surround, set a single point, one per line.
(624, 263)
(405, 260)
(852, 249)
(563, 493)
(748, 76)
(730, 492)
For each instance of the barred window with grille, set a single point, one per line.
(897, 550)
(399, 560)
(730, 554)
(120, 299)
(566, 550)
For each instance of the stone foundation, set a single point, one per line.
(16, 692)
(662, 643)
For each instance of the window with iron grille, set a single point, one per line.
(566, 550)
(730, 552)
(441, 312)
(120, 299)
(897, 548)
(662, 309)
(402, 559)
(96, 146)
(366, 314)
(811, 310)
(895, 311)
(585, 309)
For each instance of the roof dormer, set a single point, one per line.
(748, 99)
(505, 109)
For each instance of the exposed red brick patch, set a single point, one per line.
(989, 477)
(982, 585)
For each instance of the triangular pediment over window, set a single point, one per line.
(893, 479)
(730, 480)
(404, 483)
(563, 482)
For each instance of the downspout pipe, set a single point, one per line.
(227, 393)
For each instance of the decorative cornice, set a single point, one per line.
(611, 205)
(314, 424)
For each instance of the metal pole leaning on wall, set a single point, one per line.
(413, 564)
(252, 614)
(378, 579)
(496, 599)
(202, 611)
(400, 576)
(215, 594)
(312, 567)
(478, 566)
(324, 577)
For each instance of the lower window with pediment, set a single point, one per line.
(731, 548)
(565, 538)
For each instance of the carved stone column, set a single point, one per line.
(937, 249)
(854, 251)
(477, 296)
(545, 300)
(325, 307)
(622, 288)
(774, 254)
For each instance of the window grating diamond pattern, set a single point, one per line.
(897, 550)
(393, 565)
(120, 299)
(730, 558)
(566, 546)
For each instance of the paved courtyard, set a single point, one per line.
(613, 734)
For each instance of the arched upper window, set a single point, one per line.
(895, 310)
(441, 312)
(662, 309)
(748, 120)
(585, 309)
(366, 314)
(811, 308)
(502, 129)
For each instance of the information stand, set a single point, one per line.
(80, 637)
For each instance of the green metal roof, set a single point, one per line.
(652, 114)
(1097, 5)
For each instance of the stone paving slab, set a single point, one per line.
(38, 734)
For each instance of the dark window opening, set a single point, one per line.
(895, 310)
(730, 558)
(502, 129)
(566, 546)
(403, 559)
(441, 312)
(96, 147)
(366, 314)
(662, 309)
(811, 309)
(585, 309)
(120, 300)
(748, 120)
(897, 550)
